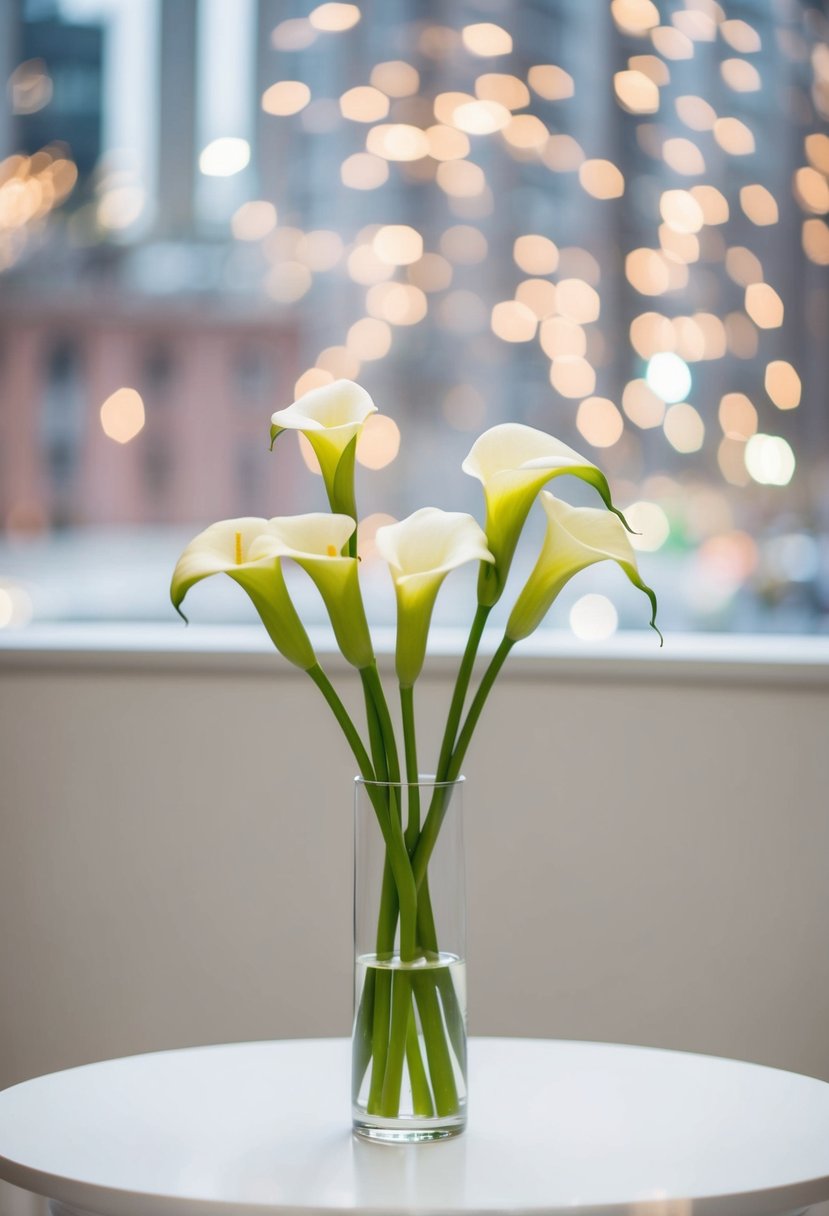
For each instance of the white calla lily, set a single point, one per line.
(576, 537)
(244, 550)
(330, 418)
(513, 462)
(315, 542)
(421, 550)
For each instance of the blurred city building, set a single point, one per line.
(607, 220)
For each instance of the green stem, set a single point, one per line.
(410, 744)
(421, 1095)
(341, 714)
(437, 809)
(461, 686)
(434, 1040)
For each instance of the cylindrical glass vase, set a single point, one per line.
(409, 1037)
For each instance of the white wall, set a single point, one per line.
(647, 844)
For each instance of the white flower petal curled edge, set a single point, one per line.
(576, 537)
(421, 550)
(513, 462)
(243, 549)
(330, 418)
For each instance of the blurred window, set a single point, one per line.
(607, 220)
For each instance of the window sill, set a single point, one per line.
(242, 649)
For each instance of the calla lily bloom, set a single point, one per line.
(242, 549)
(330, 418)
(421, 550)
(315, 542)
(576, 537)
(513, 462)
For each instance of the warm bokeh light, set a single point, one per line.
(816, 147)
(636, 92)
(783, 384)
(286, 97)
(572, 376)
(432, 272)
(313, 378)
(743, 266)
(671, 43)
(369, 338)
(464, 244)
(397, 141)
(340, 362)
(397, 303)
(815, 238)
(550, 82)
(122, 415)
(740, 75)
(288, 282)
(460, 178)
(525, 132)
(713, 202)
(740, 36)
(379, 442)
(642, 405)
(334, 18)
(562, 154)
(535, 254)
(480, 117)
(684, 428)
(398, 244)
(647, 271)
(395, 78)
(560, 337)
(364, 104)
(601, 179)
(513, 321)
(253, 221)
(486, 39)
(695, 112)
(577, 301)
(651, 333)
(737, 416)
(764, 305)
(811, 190)
(599, 422)
(503, 88)
(734, 136)
(683, 157)
(320, 250)
(539, 295)
(635, 17)
(294, 34)
(224, 157)
(447, 143)
(681, 211)
(364, 171)
(759, 204)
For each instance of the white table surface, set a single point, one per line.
(554, 1126)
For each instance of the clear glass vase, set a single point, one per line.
(409, 1037)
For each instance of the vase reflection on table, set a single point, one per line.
(409, 1037)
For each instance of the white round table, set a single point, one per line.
(554, 1127)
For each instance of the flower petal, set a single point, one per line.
(421, 550)
(315, 542)
(218, 550)
(576, 537)
(513, 462)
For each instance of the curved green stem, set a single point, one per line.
(461, 686)
(434, 818)
(342, 715)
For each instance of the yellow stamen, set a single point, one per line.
(331, 550)
(238, 548)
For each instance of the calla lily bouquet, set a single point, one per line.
(513, 464)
